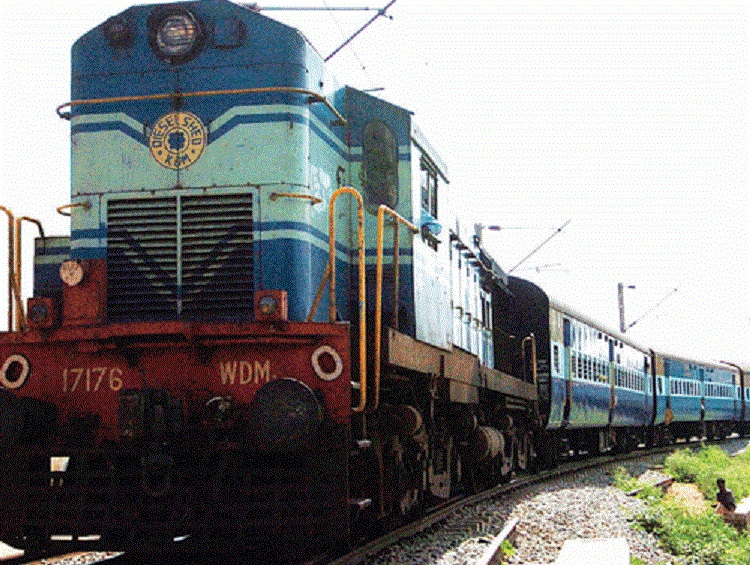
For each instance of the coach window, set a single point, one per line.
(567, 333)
(556, 358)
(429, 183)
(429, 188)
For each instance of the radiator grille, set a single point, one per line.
(217, 256)
(187, 257)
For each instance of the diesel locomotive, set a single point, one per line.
(268, 333)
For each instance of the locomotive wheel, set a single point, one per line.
(441, 464)
(405, 488)
(458, 471)
(406, 497)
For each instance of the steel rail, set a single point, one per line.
(87, 557)
(367, 551)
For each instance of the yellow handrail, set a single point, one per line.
(11, 263)
(331, 270)
(341, 121)
(20, 314)
(382, 211)
(62, 209)
(274, 196)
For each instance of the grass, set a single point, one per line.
(702, 539)
(507, 550)
(710, 463)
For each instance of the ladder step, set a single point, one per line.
(364, 444)
(360, 503)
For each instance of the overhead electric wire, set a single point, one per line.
(356, 55)
(538, 247)
(381, 12)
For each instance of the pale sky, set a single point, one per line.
(628, 119)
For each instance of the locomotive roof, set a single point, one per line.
(247, 13)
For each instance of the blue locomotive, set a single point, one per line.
(268, 333)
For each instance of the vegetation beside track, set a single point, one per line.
(696, 538)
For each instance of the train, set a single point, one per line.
(268, 332)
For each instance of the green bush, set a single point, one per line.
(710, 463)
(703, 539)
(703, 536)
(624, 481)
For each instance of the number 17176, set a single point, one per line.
(91, 379)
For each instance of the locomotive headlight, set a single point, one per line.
(284, 415)
(267, 305)
(72, 272)
(175, 35)
(271, 305)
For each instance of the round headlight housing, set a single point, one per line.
(119, 32)
(175, 35)
(284, 416)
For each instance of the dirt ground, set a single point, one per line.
(689, 496)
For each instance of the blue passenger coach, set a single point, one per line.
(596, 387)
(702, 399)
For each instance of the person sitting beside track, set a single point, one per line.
(724, 499)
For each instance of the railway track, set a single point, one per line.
(361, 555)
(364, 553)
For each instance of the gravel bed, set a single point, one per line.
(584, 505)
(83, 558)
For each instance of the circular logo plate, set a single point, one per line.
(177, 140)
